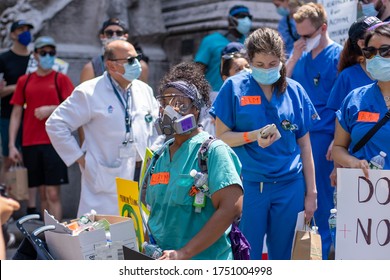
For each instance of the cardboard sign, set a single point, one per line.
(128, 196)
(341, 15)
(363, 215)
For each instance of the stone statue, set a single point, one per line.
(34, 11)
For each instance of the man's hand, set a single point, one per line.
(299, 48)
(81, 161)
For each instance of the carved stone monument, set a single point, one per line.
(169, 31)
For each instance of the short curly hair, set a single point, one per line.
(191, 73)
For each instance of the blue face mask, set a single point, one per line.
(47, 61)
(379, 68)
(282, 11)
(266, 76)
(244, 25)
(369, 10)
(132, 71)
(25, 38)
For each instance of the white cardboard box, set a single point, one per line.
(64, 246)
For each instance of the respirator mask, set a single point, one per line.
(174, 119)
(171, 122)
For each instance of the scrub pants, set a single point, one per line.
(273, 212)
(320, 143)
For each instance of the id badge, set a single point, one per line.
(127, 151)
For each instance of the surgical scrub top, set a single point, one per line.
(209, 54)
(359, 112)
(173, 220)
(287, 29)
(348, 79)
(317, 76)
(242, 106)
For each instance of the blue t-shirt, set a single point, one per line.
(349, 79)
(209, 54)
(242, 106)
(288, 31)
(359, 112)
(317, 76)
(173, 220)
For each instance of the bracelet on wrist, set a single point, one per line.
(246, 138)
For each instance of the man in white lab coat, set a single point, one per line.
(117, 112)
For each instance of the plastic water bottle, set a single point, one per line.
(200, 181)
(335, 198)
(378, 162)
(152, 250)
(200, 184)
(85, 222)
(332, 225)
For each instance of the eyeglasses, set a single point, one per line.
(129, 59)
(44, 53)
(110, 33)
(311, 35)
(181, 102)
(370, 52)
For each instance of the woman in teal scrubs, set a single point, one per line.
(177, 226)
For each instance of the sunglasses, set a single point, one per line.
(243, 15)
(233, 55)
(44, 53)
(370, 52)
(129, 59)
(110, 33)
(311, 35)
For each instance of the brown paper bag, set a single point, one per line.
(17, 182)
(307, 246)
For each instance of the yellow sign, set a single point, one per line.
(128, 205)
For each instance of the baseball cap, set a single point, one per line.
(232, 47)
(20, 23)
(113, 21)
(44, 41)
(359, 27)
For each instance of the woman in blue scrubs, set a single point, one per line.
(278, 173)
(352, 70)
(352, 64)
(365, 106)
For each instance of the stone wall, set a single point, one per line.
(169, 31)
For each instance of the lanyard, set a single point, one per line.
(126, 104)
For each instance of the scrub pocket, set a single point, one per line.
(182, 186)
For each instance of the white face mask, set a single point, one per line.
(312, 43)
(106, 41)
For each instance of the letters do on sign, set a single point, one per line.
(363, 214)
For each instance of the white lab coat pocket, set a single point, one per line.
(105, 177)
